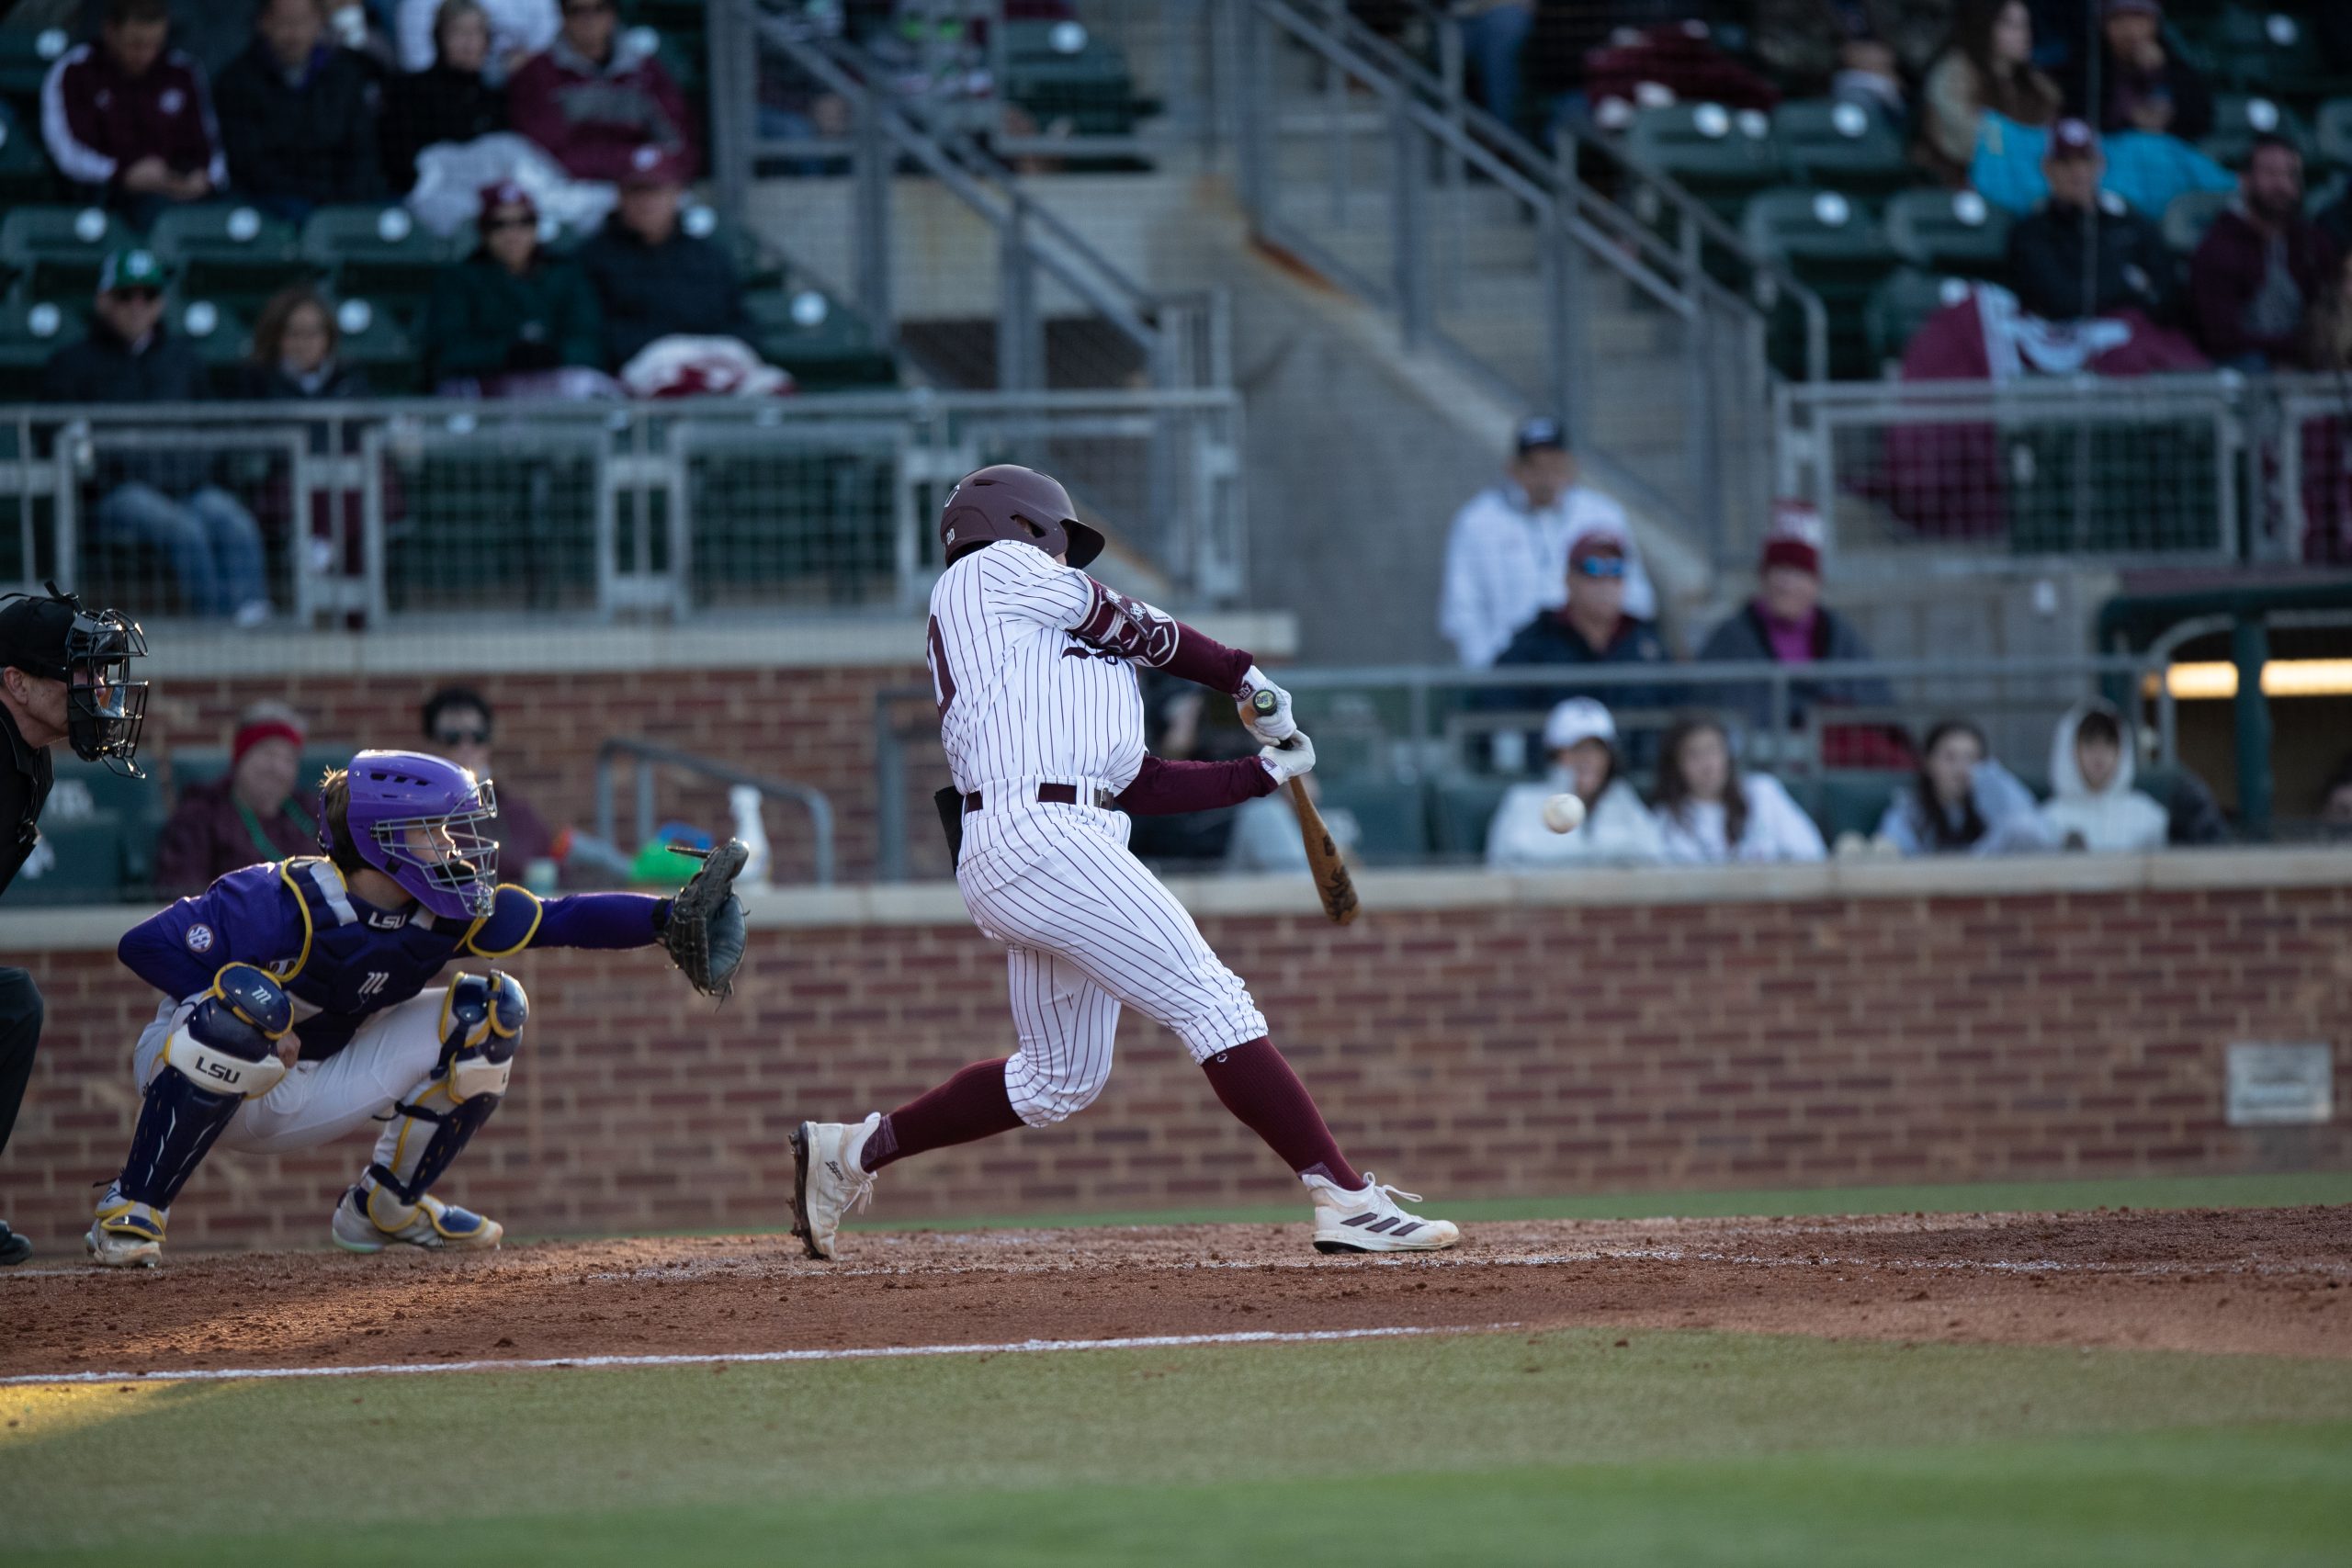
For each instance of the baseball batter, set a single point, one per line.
(295, 1008)
(1033, 668)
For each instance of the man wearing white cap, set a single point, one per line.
(1507, 557)
(1618, 830)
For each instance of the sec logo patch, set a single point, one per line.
(199, 938)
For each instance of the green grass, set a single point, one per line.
(2264, 1191)
(1674, 1448)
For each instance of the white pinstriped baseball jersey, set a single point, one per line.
(1085, 925)
(1020, 698)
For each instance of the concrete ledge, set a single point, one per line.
(190, 651)
(939, 903)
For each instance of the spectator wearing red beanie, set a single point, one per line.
(256, 812)
(1787, 624)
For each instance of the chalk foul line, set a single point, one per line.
(753, 1357)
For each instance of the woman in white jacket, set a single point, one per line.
(1618, 829)
(1709, 812)
(2092, 803)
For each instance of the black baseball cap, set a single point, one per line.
(33, 633)
(1540, 434)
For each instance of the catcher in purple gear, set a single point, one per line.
(296, 1010)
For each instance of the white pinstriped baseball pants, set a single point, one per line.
(1087, 928)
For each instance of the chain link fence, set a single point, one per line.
(357, 514)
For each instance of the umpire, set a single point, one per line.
(64, 675)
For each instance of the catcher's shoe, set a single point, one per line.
(126, 1235)
(827, 1179)
(1369, 1221)
(435, 1224)
(14, 1249)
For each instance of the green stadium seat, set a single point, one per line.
(825, 344)
(371, 340)
(26, 178)
(54, 251)
(136, 805)
(220, 335)
(30, 331)
(1843, 801)
(1064, 75)
(2190, 214)
(82, 860)
(1838, 251)
(1949, 231)
(1393, 817)
(1464, 809)
(380, 255)
(2332, 134)
(26, 55)
(229, 254)
(756, 268)
(1844, 146)
(2239, 118)
(1721, 157)
(2265, 49)
(1897, 307)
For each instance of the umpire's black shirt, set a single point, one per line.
(24, 789)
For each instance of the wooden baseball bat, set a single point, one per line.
(1332, 883)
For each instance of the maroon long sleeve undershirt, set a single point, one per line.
(1162, 788)
(1133, 629)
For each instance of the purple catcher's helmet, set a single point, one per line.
(424, 823)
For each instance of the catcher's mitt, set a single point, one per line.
(704, 932)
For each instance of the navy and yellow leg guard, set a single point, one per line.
(482, 1025)
(221, 1055)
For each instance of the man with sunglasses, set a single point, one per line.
(459, 724)
(165, 501)
(63, 676)
(1591, 627)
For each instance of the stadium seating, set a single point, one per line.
(1722, 158)
(26, 179)
(229, 254)
(374, 343)
(2262, 49)
(2332, 133)
(1843, 146)
(1087, 88)
(52, 253)
(378, 253)
(1834, 248)
(1949, 231)
(826, 346)
(30, 331)
(85, 863)
(2190, 214)
(26, 55)
(1461, 811)
(1897, 307)
(1393, 817)
(2239, 118)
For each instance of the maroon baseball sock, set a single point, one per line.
(971, 1105)
(1259, 1087)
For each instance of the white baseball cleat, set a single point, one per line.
(434, 1225)
(827, 1179)
(1369, 1221)
(126, 1235)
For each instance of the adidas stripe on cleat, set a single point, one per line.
(1368, 1220)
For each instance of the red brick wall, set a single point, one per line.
(1463, 1052)
(806, 726)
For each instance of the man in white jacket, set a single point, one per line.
(1507, 557)
(2092, 805)
(1618, 829)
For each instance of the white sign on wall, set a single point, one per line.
(2281, 1085)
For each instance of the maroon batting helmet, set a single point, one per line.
(1006, 501)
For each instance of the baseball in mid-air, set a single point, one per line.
(1564, 813)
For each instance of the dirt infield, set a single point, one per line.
(2275, 1280)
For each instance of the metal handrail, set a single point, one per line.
(1029, 233)
(649, 756)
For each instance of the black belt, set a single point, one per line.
(1049, 795)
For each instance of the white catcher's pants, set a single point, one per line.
(391, 1058)
(1086, 928)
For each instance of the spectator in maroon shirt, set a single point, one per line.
(129, 119)
(597, 95)
(256, 813)
(2261, 267)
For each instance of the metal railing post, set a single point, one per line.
(2250, 650)
(872, 160)
(1408, 224)
(1019, 355)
